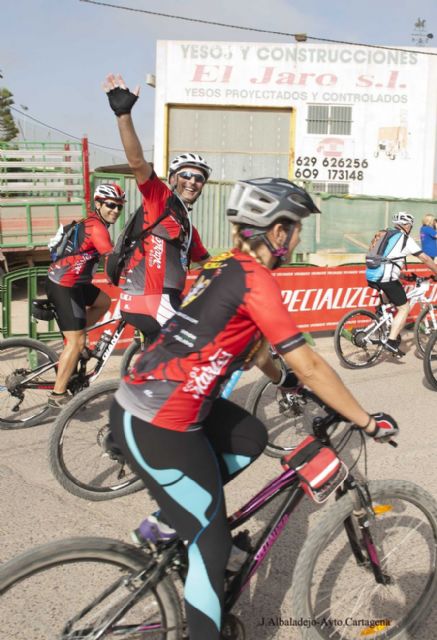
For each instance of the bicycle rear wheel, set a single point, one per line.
(82, 456)
(131, 353)
(288, 417)
(357, 339)
(340, 598)
(24, 404)
(45, 591)
(425, 325)
(430, 361)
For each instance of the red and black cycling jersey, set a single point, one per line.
(78, 268)
(234, 303)
(163, 260)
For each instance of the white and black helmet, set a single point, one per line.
(260, 202)
(109, 191)
(189, 160)
(402, 218)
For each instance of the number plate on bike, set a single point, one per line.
(318, 467)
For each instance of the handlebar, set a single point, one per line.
(321, 426)
(413, 277)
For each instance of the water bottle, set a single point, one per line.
(102, 343)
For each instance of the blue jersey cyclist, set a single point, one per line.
(179, 436)
(385, 278)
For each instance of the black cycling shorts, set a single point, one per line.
(394, 291)
(71, 303)
(148, 326)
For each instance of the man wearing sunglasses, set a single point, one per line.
(69, 287)
(156, 272)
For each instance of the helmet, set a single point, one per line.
(113, 191)
(261, 201)
(402, 218)
(189, 160)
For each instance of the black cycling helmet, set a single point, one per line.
(260, 202)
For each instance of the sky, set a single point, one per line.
(55, 54)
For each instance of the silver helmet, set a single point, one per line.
(260, 202)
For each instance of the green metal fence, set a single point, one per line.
(19, 288)
(347, 223)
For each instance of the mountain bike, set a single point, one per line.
(368, 568)
(430, 361)
(361, 334)
(28, 369)
(82, 456)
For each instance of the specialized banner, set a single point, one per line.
(316, 297)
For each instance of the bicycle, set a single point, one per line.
(361, 334)
(82, 456)
(28, 369)
(430, 361)
(369, 568)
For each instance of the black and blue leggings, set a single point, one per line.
(185, 473)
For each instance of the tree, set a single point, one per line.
(8, 128)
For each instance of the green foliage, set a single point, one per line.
(8, 128)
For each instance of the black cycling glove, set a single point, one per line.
(385, 429)
(121, 100)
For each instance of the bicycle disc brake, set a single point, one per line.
(289, 402)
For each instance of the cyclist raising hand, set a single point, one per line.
(155, 274)
(183, 440)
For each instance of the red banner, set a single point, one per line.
(317, 297)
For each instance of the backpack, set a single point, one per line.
(130, 237)
(65, 242)
(380, 246)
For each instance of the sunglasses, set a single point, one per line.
(187, 175)
(114, 205)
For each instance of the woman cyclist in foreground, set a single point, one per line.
(167, 417)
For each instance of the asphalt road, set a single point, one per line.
(35, 509)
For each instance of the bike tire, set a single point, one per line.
(130, 353)
(425, 325)
(288, 417)
(80, 567)
(349, 343)
(78, 452)
(327, 551)
(18, 357)
(430, 361)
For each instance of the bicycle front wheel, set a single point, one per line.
(357, 339)
(82, 456)
(425, 325)
(72, 589)
(23, 391)
(288, 417)
(430, 361)
(340, 597)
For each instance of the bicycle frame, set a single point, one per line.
(173, 555)
(83, 376)
(416, 295)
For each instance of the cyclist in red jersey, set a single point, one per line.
(155, 274)
(78, 302)
(181, 438)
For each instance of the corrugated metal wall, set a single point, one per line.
(347, 223)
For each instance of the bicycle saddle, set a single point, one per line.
(43, 309)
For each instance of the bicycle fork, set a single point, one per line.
(357, 527)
